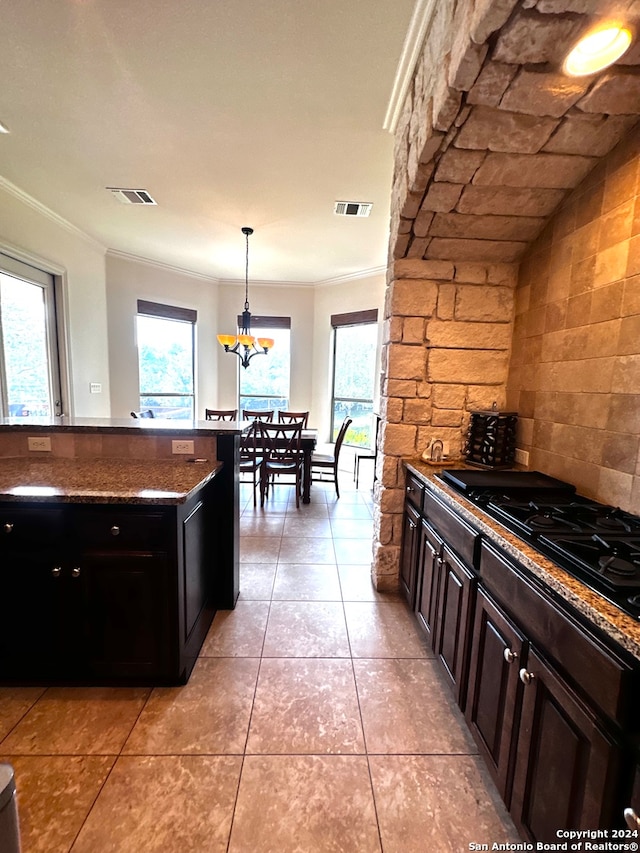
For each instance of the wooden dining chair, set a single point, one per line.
(220, 414)
(328, 461)
(294, 417)
(249, 415)
(147, 413)
(251, 456)
(282, 455)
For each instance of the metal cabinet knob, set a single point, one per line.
(525, 676)
(115, 530)
(8, 527)
(56, 571)
(632, 819)
(75, 572)
(509, 655)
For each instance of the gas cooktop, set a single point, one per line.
(598, 544)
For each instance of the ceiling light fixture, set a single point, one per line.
(598, 49)
(243, 344)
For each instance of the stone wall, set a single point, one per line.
(575, 368)
(491, 140)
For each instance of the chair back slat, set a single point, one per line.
(346, 423)
(220, 414)
(252, 415)
(248, 445)
(294, 417)
(281, 442)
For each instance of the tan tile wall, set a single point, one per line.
(575, 365)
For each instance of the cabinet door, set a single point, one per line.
(455, 588)
(495, 659)
(127, 605)
(409, 556)
(427, 581)
(564, 761)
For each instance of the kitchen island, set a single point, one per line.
(115, 553)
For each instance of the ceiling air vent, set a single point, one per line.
(352, 208)
(131, 196)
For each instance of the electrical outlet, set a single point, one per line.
(95, 388)
(522, 456)
(43, 443)
(185, 447)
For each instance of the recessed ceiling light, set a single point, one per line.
(598, 49)
(4, 128)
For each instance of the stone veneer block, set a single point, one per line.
(543, 94)
(446, 302)
(489, 16)
(490, 303)
(485, 227)
(531, 37)
(449, 396)
(413, 330)
(592, 136)
(616, 92)
(498, 130)
(411, 269)
(469, 366)
(458, 165)
(475, 250)
(509, 201)
(549, 171)
(469, 335)
(406, 362)
(413, 298)
(471, 273)
(417, 411)
(441, 197)
(491, 84)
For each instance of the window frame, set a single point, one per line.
(267, 322)
(367, 317)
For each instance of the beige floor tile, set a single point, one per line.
(352, 528)
(437, 803)
(355, 551)
(55, 794)
(306, 629)
(349, 510)
(316, 509)
(383, 629)
(306, 706)
(407, 708)
(270, 508)
(259, 549)
(307, 550)
(78, 721)
(261, 525)
(256, 581)
(306, 804)
(170, 804)
(14, 704)
(356, 585)
(239, 632)
(208, 715)
(308, 526)
(306, 582)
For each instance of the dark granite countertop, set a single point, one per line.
(131, 481)
(613, 622)
(149, 426)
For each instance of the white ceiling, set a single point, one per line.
(227, 112)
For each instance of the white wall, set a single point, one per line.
(132, 279)
(48, 243)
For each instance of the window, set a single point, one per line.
(355, 344)
(29, 364)
(165, 336)
(264, 384)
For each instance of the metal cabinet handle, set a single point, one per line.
(115, 530)
(75, 572)
(632, 819)
(526, 677)
(8, 527)
(56, 571)
(510, 655)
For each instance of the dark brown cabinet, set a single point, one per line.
(409, 554)
(428, 573)
(455, 590)
(106, 593)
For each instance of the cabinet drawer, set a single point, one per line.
(455, 532)
(117, 530)
(30, 529)
(414, 491)
(604, 678)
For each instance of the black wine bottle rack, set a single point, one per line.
(491, 439)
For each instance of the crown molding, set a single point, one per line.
(354, 276)
(30, 201)
(139, 259)
(237, 282)
(422, 14)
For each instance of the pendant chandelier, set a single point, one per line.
(245, 345)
